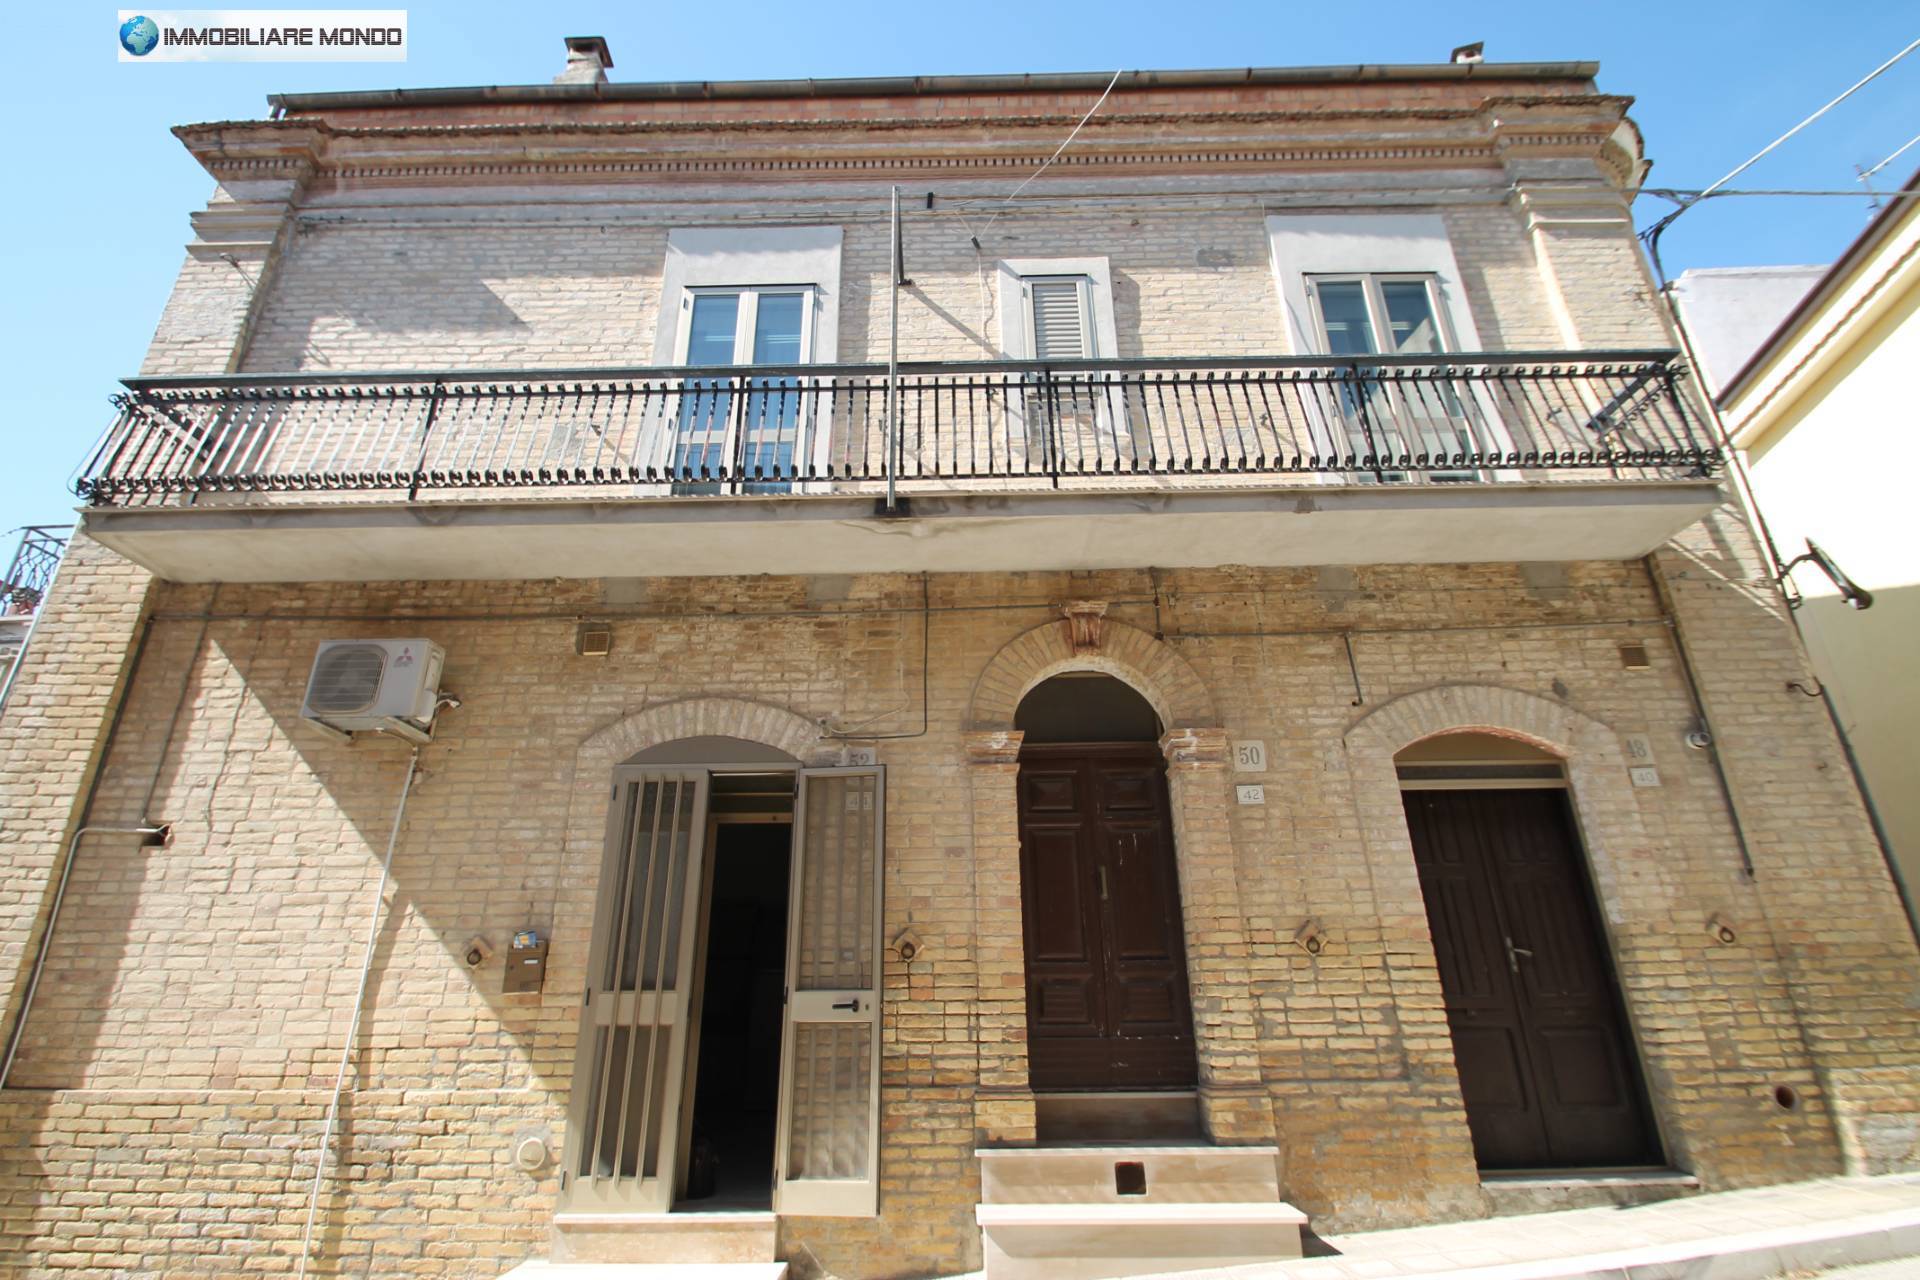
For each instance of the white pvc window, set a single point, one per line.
(1373, 314)
(721, 327)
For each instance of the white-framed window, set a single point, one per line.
(732, 296)
(1056, 309)
(1370, 284)
(724, 326)
(1380, 246)
(1375, 313)
(1061, 310)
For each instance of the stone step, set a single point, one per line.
(539, 1269)
(677, 1238)
(1514, 1193)
(1157, 1116)
(1099, 1241)
(1132, 1174)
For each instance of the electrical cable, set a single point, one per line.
(1749, 502)
(1900, 151)
(1048, 162)
(374, 920)
(1763, 152)
(926, 669)
(148, 826)
(46, 934)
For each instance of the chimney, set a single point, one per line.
(587, 61)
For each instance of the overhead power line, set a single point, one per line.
(1651, 234)
(1890, 159)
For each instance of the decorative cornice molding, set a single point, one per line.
(1212, 158)
(1478, 133)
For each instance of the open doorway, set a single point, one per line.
(736, 1075)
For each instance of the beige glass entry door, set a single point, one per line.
(628, 1123)
(828, 1147)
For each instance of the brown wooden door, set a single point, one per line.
(1546, 1066)
(1107, 1004)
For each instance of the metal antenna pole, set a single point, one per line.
(893, 349)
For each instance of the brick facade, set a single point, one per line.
(164, 1111)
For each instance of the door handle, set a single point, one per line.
(1513, 955)
(851, 1006)
(1103, 883)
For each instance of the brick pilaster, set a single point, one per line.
(1234, 1105)
(1003, 1106)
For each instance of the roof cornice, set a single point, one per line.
(1468, 135)
(924, 86)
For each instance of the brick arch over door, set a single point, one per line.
(1616, 843)
(664, 722)
(580, 859)
(1150, 666)
(1638, 897)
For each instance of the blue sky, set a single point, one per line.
(96, 217)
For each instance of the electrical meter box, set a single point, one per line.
(526, 964)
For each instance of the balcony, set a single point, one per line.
(36, 557)
(941, 466)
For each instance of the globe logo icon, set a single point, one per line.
(138, 35)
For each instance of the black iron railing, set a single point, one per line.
(31, 571)
(1468, 418)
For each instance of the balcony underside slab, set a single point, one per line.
(946, 533)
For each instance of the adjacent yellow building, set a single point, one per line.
(1819, 410)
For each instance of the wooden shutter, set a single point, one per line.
(1060, 327)
(623, 1129)
(828, 1141)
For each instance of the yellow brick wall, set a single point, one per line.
(165, 1107)
(175, 1071)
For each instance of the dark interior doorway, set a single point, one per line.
(1547, 1065)
(737, 1076)
(1108, 1008)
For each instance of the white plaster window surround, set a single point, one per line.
(1337, 244)
(1368, 247)
(1015, 303)
(755, 261)
(713, 257)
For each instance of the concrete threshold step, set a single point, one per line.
(543, 1270)
(671, 1239)
(1517, 1193)
(1141, 1214)
(1092, 1241)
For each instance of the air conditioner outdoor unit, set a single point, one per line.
(392, 686)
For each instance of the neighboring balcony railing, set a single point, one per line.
(947, 427)
(29, 574)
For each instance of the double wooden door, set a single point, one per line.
(1546, 1066)
(1107, 1002)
